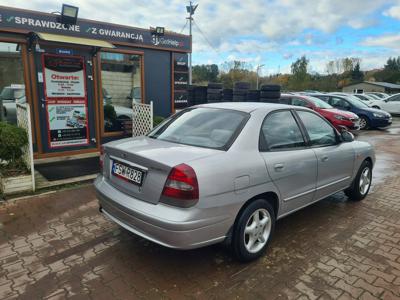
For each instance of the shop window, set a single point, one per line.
(121, 85)
(12, 87)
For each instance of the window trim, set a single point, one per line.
(263, 144)
(337, 136)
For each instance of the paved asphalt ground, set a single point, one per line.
(57, 246)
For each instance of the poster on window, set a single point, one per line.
(66, 101)
(64, 76)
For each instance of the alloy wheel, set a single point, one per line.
(363, 123)
(257, 230)
(365, 180)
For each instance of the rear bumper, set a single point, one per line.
(179, 228)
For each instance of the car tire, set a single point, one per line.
(269, 94)
(364, 123)
(362, 183)
(271, 88)
(241, 85)
(252, 244)
(214, 85)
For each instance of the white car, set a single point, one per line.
(368, 99)
(391, 104)
(378, 95)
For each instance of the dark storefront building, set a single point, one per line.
(80, 80)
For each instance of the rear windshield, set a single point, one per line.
(203, 127)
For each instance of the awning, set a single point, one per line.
(73, 40)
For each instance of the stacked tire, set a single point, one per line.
(191, 95)
(200, 94)
(214, 92)
(227, 95)
(240, 91)
(253, 96)
(270, 93)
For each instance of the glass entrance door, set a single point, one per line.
(66, 100)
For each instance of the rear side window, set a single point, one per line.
(280, 131)
(203, 127)
(319, 131)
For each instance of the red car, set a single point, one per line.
(337, 117)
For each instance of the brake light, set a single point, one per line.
(101, 157)
(182, 183)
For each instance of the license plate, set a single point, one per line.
(127, 173)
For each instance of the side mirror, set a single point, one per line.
(347, 136)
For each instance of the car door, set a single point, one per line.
(392, 104)
(334, 159)
(291, 165)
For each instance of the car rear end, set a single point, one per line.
(152, 187)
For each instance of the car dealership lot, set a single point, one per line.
(58, 245)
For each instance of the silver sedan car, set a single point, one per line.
(225, 172)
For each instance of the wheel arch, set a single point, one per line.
(270, 197)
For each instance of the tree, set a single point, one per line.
(356, 74)
(205, 73)
(300, 78)
(390, 72)
(234, 71)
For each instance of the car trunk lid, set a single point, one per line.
(155, 158)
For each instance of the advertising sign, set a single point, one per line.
(66, 100)
(42, 22)
(181, 80)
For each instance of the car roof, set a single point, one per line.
(248, 106)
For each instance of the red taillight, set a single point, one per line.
(182, 183)
(101, 157)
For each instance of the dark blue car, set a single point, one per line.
(369, 117)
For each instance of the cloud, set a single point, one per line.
(393, 12)
(252, 29)
(391, 41)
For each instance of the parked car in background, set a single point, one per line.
(338, 118)
(225, 172)
(10, 96)
(391, 104)
(377, 94)
(368, 99)
(369, 117)
(353, 96)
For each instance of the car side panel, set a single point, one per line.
(295, 175)
(335, 168)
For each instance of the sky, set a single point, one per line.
(272, 33)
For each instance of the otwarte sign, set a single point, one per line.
(66, 100)
(64, 76)
(12, 18)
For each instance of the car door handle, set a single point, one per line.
(324, 158)
(279, 167)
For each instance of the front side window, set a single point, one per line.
(121, 85)
(202, 127)
(280, 131)
(319, 130)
